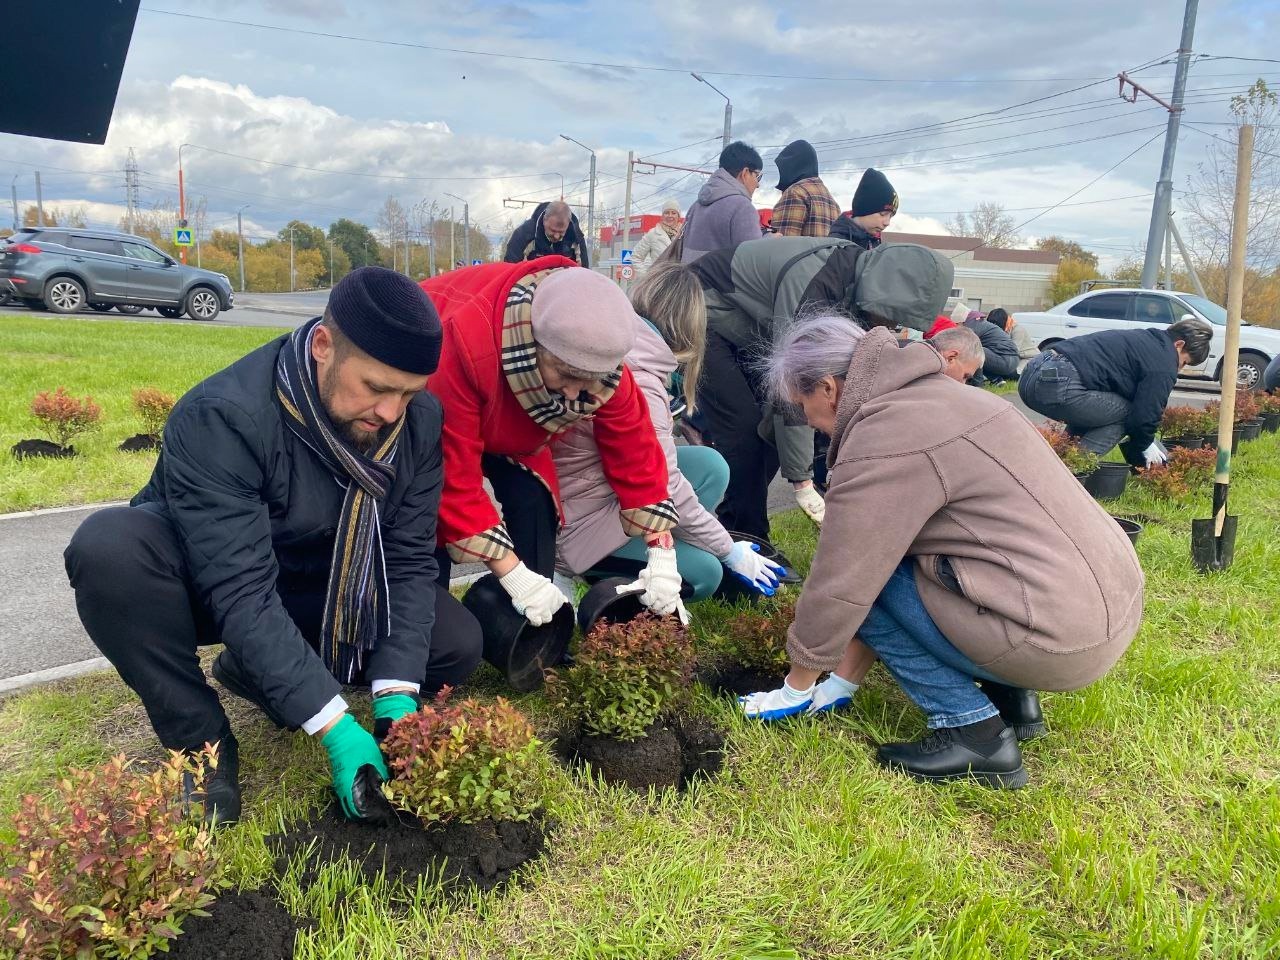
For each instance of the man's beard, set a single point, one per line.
(362, 440)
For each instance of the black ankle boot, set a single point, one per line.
(960, 753)
(219, 797)
(228, 672)
(1019, 709)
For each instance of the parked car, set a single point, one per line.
(64, 269)
(1124, 309)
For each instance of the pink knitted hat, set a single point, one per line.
(583, 318)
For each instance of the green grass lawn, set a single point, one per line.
(106, 359)
(1151, 827)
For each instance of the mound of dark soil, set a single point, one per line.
(138, 443)
(240, 926)
(41, 448)
(483, 854)
(737, 680)
(672, 753)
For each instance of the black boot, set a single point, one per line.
(219, 797)
(228, 672)
(1019, 709)
(973, 752)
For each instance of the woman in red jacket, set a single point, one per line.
(529, 350)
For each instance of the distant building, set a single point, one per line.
(989, 277)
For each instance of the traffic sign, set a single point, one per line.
(626, 256)
(476, 263)
(628, 271)
(182, 237)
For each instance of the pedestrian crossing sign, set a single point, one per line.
(182, 237)
(626, 256)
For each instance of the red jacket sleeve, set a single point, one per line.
(633, 461)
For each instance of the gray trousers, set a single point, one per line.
(1050, 385)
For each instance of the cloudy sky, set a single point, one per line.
(423, 98)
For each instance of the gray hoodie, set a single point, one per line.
(722, 216)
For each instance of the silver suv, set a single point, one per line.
(64, 269)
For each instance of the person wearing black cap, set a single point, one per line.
(291, 517)
(874, 204)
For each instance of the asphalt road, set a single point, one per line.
(251, 310)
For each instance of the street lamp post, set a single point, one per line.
(182, 199)
(591, 193)
(291, 284)
(240, 234)
(728, 106)
(466, 228)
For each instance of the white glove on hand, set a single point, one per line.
(757, 572)
(811, 503)
(534, 596)
(776, 704)
(832, 694)
(1154, 454)
(660, 585)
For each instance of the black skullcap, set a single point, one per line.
(389, 317)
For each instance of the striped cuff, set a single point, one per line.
(492, 544)
(646, 521)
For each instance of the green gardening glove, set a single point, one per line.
(350, 749)
(390, 707)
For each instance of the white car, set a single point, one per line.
(1127, 309)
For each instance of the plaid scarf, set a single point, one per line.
(357, 611)
(520, 366)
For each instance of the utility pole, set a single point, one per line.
(431, 243)
(13, 191)
(39, 202)
(291, 258)
(130, 190)
(626, 212)
(1186, 258)
(452, 244)
(591, 193)
(330, 263)
(728, 107)
(182, 199)
(466, 228)
(240, 234)
(1168, 259)
(1162, 204)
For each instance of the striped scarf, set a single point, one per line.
(520, 366)
(357, 611)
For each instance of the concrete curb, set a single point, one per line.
(51, 511)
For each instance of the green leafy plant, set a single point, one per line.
(1183, 421)
(464, 762)
(63, 416)
(625, 676)
(109, 865)
(1185, 472)
(756, 638)
(1069, 450)
(153, 408)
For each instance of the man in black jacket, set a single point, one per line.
(874, 204)
(553, 228)
(292, 517)
(1114, 384)
(1001, 353)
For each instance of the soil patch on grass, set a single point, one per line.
(673, 753)
(139, 443)
(483, 854)
(241, 926)
(29, 449)
(738, 681)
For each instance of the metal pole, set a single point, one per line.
(626, 213)
(330, 264)
(182, 203)
(240, 234)
(453, 258)
(1168, 257)
(466, 235)
(1164, 187)
(728, 121)
(431, 243)
(291, 259)
(13, 190)
(591, 209)
(407, 272)
(1186, 258)
(39, 202)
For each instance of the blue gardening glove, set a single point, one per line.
(759, 573)
(832, 694)
(390, 707)
(351, 747)
(776, 704)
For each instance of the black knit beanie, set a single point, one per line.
(874, 194)
(389, 317)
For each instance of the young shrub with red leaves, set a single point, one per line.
(625, 676)
(464, 762)
(108, 866)
(1268, 403)
(1246, 408)
(153, 408)
(1186, 471)
(756, 638)
(1183, 421)
(63, 416)
(1076, 458)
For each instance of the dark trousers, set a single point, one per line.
(731, 395)
(528, 512)
(1050, 385)
(135, 600)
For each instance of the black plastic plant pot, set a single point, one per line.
(1132, 528)
(769, 552)
(1108, 481)
(1206, 552)
(1270, 422)
(520, 650)
(1250, 429)
(603, 604)
(1212, 441)
(1187, 443)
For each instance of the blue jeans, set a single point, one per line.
(934, 674)
(1050, 385)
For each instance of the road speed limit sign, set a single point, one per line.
(628, 271)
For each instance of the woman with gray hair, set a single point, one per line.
(957, 548)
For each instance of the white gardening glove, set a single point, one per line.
(533, 595)
(811, 503)
(832, 694)
(759, 573)
(776, 704)
(1155, 454)
(659, 584)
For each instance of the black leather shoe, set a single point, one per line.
(946, 754)
(1019, 709)
(219, 798)
(228, 672)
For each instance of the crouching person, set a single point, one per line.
(971, 600)
(292, 517)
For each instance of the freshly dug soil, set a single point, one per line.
(672, 753)
(138, 443)
(737, 680)
(241, 926)
(483, 854)
(41, 448)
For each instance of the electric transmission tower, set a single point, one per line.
(130, 190)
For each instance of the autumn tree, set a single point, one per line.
(305, 236)
(1068, 250)
(986, 222)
